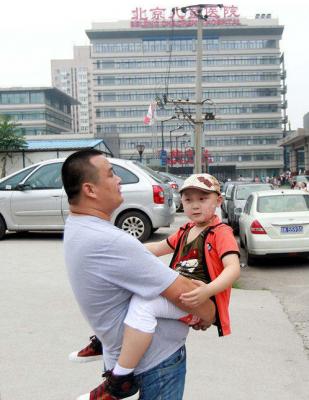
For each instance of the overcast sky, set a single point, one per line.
(33, 32)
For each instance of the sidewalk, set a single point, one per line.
(263, 359)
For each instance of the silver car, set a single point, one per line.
(275, 222)
(175, 184)
(33, 199)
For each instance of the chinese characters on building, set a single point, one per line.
(162, 17)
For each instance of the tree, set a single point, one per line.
(10, 140)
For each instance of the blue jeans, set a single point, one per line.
(166, 381)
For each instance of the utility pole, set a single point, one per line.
(198, 131)
(197, 10)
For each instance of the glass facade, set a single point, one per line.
(177, 62)
(185, 45)
(45, 111)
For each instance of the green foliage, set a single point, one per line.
(10, 138)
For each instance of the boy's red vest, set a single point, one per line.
(219, 241)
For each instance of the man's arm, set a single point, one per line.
(205, 311)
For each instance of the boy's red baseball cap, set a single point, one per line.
(205, 182)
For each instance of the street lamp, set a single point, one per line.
(162, 131)
(140, 148)
(171, 146)
(184, 135)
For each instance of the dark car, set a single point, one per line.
(237, 200)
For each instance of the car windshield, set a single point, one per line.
(244, 191)
(150, 172)
(302, 178)
(13, 181)
(283, 203)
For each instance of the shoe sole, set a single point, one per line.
(86, 396)
(75, 358)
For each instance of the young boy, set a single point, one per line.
(206, 251)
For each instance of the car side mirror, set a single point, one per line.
(23, 186)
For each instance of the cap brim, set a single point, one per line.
(198, 188)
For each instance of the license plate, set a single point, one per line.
(292, 229)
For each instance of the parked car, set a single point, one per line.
(168, 178)
(275, 222)
(33, 199)
(237, 200)
(301, 178)
(226, 191)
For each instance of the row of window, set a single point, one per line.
(186, 63)
(148, 46)
(226, 109)
(41, 130)
(229, 93)
(212, 126)
(35, 98)
(40, 115)
(22, 98)
(241, 141)
(56, 102)
(240, 125)
(138, 80)
(247, 157)
(223, 141)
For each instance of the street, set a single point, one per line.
(41, 324)
(287, 279)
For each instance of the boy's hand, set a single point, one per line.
(197, 296)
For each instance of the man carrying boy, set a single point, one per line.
(205, 250)
(106, 266)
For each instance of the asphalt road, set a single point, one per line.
(41, 325)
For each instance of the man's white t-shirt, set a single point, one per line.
(106, 266)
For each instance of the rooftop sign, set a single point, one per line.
(161, 17)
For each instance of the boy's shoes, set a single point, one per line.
(92, 352)
(114, 387)
(190, 319)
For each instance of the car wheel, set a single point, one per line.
(241, 243)
(136, 224)
(2, 228)
(179, 208)
(250, 259)
(235, 228)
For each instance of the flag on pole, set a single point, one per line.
(151, 114)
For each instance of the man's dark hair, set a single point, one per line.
(78, 169)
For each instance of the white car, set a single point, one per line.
(33, 199)
(275, 222)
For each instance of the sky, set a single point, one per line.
(34, 32)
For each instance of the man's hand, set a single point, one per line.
(202, 325)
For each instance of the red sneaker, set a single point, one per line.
(190, 319)
(92, 352)
(114, 387)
